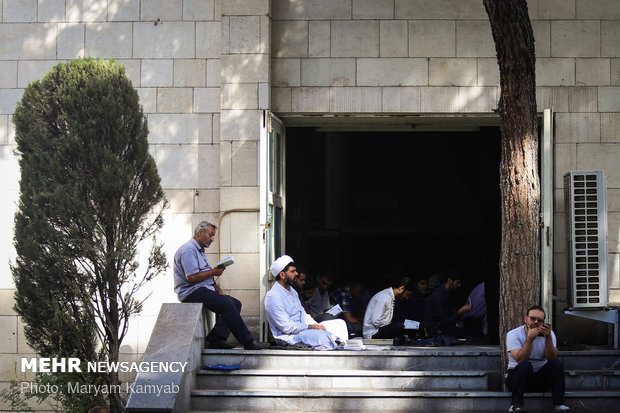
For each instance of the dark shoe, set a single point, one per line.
(255, 345)
(220, 345)
(516, 408)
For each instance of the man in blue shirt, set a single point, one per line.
(353, 299)
(194, 282)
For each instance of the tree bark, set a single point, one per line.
(519, 181)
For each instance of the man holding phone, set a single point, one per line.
(533, 365)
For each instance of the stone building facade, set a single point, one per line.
(207, 70)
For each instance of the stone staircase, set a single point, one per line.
(422, 379)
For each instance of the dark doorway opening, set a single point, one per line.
(368, 205)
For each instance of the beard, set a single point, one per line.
(290, 281)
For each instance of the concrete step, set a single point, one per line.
(485, 358)
(593, 380)
(593, 359)
(392, 401)
(418, 359)
(386, 380)
(438, 379)
(316, 380)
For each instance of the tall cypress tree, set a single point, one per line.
(89, 195)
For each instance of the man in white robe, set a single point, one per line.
(289, 321)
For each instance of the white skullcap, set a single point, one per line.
(279, 264)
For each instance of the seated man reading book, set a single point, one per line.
(288, 320)
(378, 321)
(194, 282)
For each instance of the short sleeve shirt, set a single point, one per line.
(190, 259)
(515, 339)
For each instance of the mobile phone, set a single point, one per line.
(541, 334)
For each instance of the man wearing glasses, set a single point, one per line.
(532, 361)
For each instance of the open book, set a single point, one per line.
(226, 262)
(412, 325)
(335, 310)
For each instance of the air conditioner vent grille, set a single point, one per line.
(587, 238)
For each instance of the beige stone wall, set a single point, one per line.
(245, 72)
(383, 57)
(172, 51)
(205, 70)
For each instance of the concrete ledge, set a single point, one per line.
(401, 394)
(394, 401)
(348, 373)
(178, 336)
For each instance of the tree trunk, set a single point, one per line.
(116, 403)
(519, 181)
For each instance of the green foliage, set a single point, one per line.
(13, 397)
(54, 392)
(89, 195)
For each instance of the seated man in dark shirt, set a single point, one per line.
(439, 318)
(319, 303)
(302, 288)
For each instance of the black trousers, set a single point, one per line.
(228, 318)
(391, 330)
(523, 379)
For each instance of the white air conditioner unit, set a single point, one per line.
(586, 233)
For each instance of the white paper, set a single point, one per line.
(335, 310)
(412, 325)
(355, 344)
